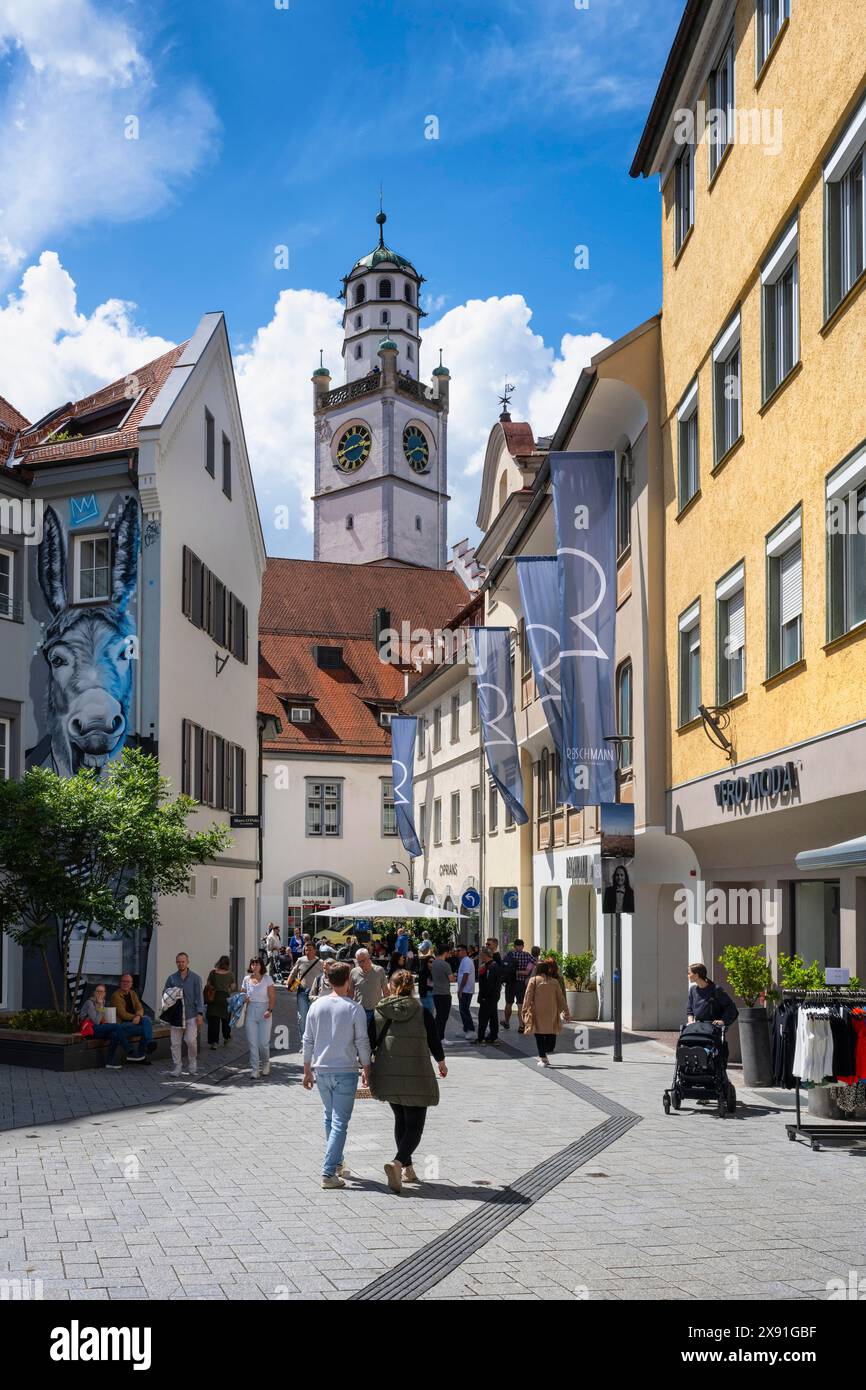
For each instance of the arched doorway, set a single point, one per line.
(311, 893)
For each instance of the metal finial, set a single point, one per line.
(381, 218)
(440, 357)
(505, 398)
(321, 357)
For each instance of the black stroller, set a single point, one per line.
(699, 1073)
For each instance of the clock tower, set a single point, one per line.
(380, 438)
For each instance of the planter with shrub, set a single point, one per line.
(580, 992)
(748, 972)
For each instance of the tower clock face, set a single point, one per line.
(353, 448)
(416, 449)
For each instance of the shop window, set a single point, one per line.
(727, 389)
(785, 595)
(731, 635)
(780, 296)
(690, 664)
(815, 916)
(846, 545)
(845, 212)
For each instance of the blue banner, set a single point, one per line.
(538, 576)
(584, 502)
(403, 730)
(492, 650)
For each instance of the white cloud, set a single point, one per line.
(77, 76)
(51, 353)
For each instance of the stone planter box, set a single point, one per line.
(582, 1004)
(64, 1051)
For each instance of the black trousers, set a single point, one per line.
(408, 1127)
(442, 1008)
(545, 1042)
(488, 1018)
(213, 1029)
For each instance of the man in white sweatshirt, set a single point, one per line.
(335, 1041)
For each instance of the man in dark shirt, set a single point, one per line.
(519, 965)
(489, 987)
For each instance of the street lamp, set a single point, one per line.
(617, 740)
(394, 868)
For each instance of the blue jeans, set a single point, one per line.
(337, 1089)
(464, 1001)
(303, 1009)
(258, 1030)
(143, 1031)
(427, 1003)
(115, 1035)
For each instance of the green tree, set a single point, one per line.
(94, 852)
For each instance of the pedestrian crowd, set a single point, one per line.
(374, 1013)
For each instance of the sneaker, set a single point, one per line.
(214, 1046)
(342, 1171)
(114, 1066)
(254, 1076)
(177, 1073)
(394, 1174)
(494, 1042)
(331, 1180)
(135, 1057)
(469, 1032)
(542, 1062)
(521, 1029)
(193, 1071)
(409, 1175)
(266, 1069)
(505, 1024)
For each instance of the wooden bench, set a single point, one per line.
(66, 1051)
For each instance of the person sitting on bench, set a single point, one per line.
(93, 1010)
(132, 1018)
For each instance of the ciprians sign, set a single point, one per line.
(758, 786)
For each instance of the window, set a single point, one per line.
(218, 612)
(781, 311)
(455, 718)
(816, 920)
(350, 522)
(359, 351)
(92, 569)
(5, 750)
(238, 799)
(770, 16)
(727, 389)
(328, 658)
(385, 717)
(721, 93)
(624, 716)
(360, 294)
(301, 714)
(409, 323)
(410, 353)
(437, 821)
(227, 466)
(687, 444)
(417, 523)
(422, 736)
(389, 812)
(7, 583)
(324, 808)
(731, 635)
(238, 631)
(210, 606)
(509, 818)
(623, 501)
(385, 317)
(845, 213)
(437, 728)
(209, 444)
(785, 595)
(473, 707)
(359, 320)
(455, 817)
(690, 664)
(846, 545)
(384, 289)
(492, 809)
(476, 813)
(407, 294)
(544, 783)
(422, 823)
(684, 195)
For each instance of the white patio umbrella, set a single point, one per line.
(387, 907)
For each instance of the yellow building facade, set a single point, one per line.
(758, 137)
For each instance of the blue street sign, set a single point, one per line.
(509, 898)
(471, 900)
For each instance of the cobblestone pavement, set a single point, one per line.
(133, 1185)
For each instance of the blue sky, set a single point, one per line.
(261, 127)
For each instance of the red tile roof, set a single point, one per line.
(148, 380)
(10, 418)
(306, 603)
(518, 438)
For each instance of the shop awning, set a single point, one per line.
(841, 856)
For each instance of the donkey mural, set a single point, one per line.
(90, 651)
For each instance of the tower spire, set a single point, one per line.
(381, 218)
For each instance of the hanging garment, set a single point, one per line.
(784, 1041)
(858, 1023)
(844, 1039)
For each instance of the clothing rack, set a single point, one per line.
(842, 1130)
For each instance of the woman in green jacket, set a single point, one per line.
(219, 985)
(403, 1037)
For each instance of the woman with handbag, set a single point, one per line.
(544, 1008)
(261, 996)
(403, 1036)
(219, 985)
(302, 977)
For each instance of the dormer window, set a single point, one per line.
(385, 716)
(328, 658)
(301, 714)
(384, 289)
(360, 294)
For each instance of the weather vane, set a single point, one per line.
(505, 398)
